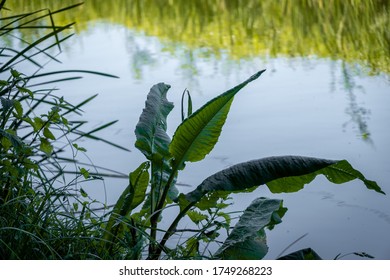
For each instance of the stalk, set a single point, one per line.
(170, 232)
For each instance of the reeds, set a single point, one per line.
(44, 213)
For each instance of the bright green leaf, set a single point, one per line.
(84, 172)
(48, 134)
(18, 108)
(46, 147)
(196, 216)
(197, 135)
(39, 123)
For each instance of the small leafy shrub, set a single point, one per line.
(136, 216)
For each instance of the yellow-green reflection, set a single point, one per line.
(356, 31)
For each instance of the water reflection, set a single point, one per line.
(141, 56)
(214, 44)
(359, 115)
(353, 31)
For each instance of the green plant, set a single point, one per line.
(44, 212)
(153, 184)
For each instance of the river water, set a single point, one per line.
(309, 105)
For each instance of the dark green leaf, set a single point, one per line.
(139, 180)
(304, 254)
(83, 193)
(12, 137)
(276, 172)
(15, 73)
(6, 104)
(152, 139)
(247, 241)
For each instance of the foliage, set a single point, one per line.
(193, 139)
(44, 212)
(355, 31)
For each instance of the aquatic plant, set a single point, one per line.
(151, 189)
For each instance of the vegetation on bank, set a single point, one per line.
(354, 31)
(45, 214)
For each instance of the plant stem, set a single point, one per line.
(171, 230)
(157, 212)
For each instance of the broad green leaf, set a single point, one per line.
(139, 180)
(281, 174)
(247, 241)
(304, 254)
(152, 139)
(197, 135)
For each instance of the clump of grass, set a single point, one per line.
(44, 213)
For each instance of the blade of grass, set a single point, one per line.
(8, 64)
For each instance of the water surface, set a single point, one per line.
(326, 93)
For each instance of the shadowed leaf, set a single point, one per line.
(247, 241)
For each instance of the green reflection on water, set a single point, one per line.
(355, 31)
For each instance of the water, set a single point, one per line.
(313, 105)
